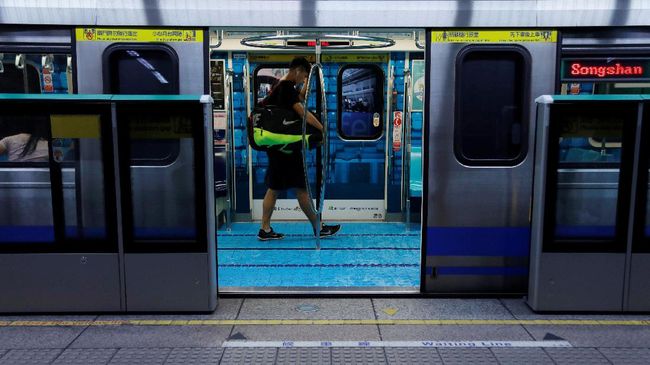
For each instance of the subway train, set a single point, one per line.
(430, 109)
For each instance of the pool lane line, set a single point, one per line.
(323, 322)
(319, 265)
(312, 248)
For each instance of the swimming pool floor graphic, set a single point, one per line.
(363, 255)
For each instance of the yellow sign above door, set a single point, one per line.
(494, 36)
(138, 35)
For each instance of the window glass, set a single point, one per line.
(360, 102)
(163, 198)
(586, 200)
(25, 189)
(34, 73)
(217, 84)
(77, 152)
(491, 110)
(647, 210)
(266, 77)
(143, 71)
(20, 80)
(578, 147)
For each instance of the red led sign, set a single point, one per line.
(313, 44)
(617, 69)
(322, 43)
(591, 69)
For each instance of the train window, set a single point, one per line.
(492, 87)
(21, 78)
(266, 77)
(140, 69)
(144, 69)
(360, 102)
(584, 206)
(34, 73)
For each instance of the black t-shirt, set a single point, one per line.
(285, 170)
(284, 95)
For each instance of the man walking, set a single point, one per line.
(286, 171)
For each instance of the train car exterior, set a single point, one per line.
(469, 133)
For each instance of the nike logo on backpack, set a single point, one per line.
(289, 122)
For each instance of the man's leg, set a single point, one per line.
(267, 208)
(303, 201)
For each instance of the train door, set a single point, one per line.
(479, 157)
(159, 186)
(364, 95)
(355, 87)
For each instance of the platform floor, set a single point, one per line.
(331, 331)
(361, 257)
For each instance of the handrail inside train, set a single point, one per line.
(254, 41)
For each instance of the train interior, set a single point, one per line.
(373, 88)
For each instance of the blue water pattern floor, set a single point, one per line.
(360, 255)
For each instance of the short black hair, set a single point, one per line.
(300, 62)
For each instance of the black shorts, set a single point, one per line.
(285, 171)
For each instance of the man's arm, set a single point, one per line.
(303, 91)
(311, 119)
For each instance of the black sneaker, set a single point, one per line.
(327, 231)
(270, 235)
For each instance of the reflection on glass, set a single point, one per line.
(25, 193)
(148, 71)
(587, 208)
(266, 80)
(647, 210)
(588, 140)
(163, 197)
(361, 103)
(77, 150)
(24, 139)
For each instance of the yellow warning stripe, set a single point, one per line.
(326, 322)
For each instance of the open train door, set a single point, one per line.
(478, 156)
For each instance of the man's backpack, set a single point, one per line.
(272, 128)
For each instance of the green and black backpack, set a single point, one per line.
(271, 128)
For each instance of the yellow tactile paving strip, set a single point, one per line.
(326, 322)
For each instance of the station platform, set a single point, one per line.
(331, 331)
